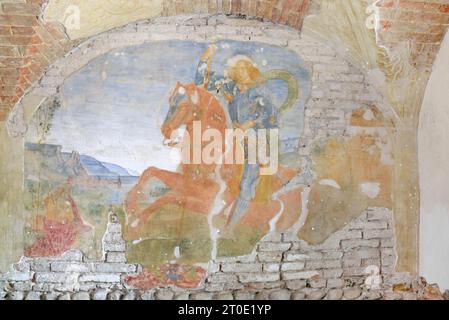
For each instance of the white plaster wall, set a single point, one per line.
(433, 142)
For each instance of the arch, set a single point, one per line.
(433, 151)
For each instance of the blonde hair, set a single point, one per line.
(235, 68)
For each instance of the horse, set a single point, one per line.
(197, 186)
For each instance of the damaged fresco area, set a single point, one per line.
(108, 150)
(352, 173)
(111, 150)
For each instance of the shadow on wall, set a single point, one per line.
(433, 145)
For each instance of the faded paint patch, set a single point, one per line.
(330, 183)
(350, 162)
(371, 189)
(367, 117)
(86, 18)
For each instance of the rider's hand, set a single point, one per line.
(210, 51)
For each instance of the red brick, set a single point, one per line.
(420, 6)
(403, 26)
(8, 51)
(414, 37)
(236, 6)
(32, 77)
(37, 67)
(386, 24)
(11, 90)
(4, 111)
(20, 21)
(9, 72)
(26, 40)
(6, 41)
(7, 62)
(8, 99)
(56, 30)
(10, 80)
(21, 8)
(444, 8)
(412, 16)
(387, 3)
(5, 31)
(22, 31)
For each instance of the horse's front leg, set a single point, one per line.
(172, 180)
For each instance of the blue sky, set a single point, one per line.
(113, 107)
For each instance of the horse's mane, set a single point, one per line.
(192, 87)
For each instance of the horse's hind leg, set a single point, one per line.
(143, 216)
(190, 203)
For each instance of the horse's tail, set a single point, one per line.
(292, 83)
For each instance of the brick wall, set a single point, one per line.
(355, 263)
(423, 23)
(28, 45)
(281, 266)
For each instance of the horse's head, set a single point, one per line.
(183, 105)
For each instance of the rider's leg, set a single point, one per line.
(248, 187)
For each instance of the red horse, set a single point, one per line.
(195, 186)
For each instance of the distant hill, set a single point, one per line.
(95, 167)
(72, 163)
(116, 169)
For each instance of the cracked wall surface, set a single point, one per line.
(342, 144)
(348, 160)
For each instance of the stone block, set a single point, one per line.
(241, 267)
(374, 234)
(100, 277)
(352, 293)
(334, 294)
(100, 294)
(299, 275)
(274, 246)
(72, 255)
(69, 267)
(292, 256)
(323, 264)
(335, 283)
(295, 284)
(275, 256)
(81, 296)
(316, 295)
(51, 277)
(33, 295)
(16, 276)
(164, 294)
(114, 268)
(116, 257)
(201, 296)
(280, 295)
(258, 277)
(292, 266)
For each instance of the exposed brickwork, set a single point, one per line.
(27, 47)
(423, 23)
(281, 266)
(356, 263)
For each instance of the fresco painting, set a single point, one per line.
(105, 144)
